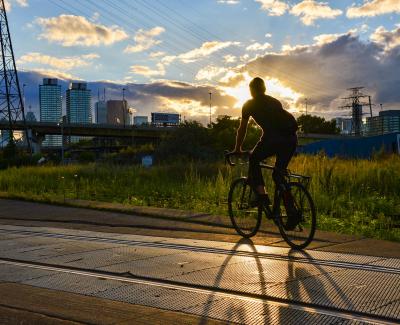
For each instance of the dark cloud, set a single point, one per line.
(324, 72)
(145, 98)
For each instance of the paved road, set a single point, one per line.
(61, 265)
(229, 282)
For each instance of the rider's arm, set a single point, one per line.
(241, 133)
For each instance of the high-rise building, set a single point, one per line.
(100, 112)
(50, 107)
(344, 124)
(140, 120)
(78, 105)
(117, 112)
(387, 122)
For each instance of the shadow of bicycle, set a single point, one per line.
(303, 282)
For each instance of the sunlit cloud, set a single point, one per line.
(146, 71)
(229, 58)
(387, 39)
(157, 54)
(259, 47)
(205, 50)
(209, 72)
(64, 63)
(145, 39)
(70, 30)
(53, 73)
(374, 8)
(9, 3)
(274, 7)
(311, 10)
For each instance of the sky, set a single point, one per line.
(170, 54)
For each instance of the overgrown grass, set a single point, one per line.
(351, 196)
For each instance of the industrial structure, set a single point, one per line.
(355, 103)
(50, 104)
(11, 103)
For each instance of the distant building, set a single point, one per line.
(165, 119)
(386, 122)
(100, 112)
(30, 117)
(117, 112)
(78, 105)
(50, 105)
(140, 120)
(344, 124)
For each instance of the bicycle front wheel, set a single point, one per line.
(244, 213)
(301, 235)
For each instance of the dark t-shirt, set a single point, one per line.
(270, 116)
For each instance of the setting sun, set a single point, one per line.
(274, 86)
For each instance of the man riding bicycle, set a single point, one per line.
(278, 138)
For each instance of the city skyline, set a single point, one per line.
(177, 52)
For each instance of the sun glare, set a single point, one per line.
(274, 86)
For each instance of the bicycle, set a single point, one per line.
(245, 211)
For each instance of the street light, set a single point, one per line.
(61, 123)
(123, 105)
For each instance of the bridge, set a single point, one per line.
(108, 130)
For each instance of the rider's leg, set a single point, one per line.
(260, 152)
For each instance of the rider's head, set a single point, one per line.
(257, 87)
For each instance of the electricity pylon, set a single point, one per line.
(356, 109)
(11, 103)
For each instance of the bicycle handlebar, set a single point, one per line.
(228, 160)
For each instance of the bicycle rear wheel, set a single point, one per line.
(245, 216)
(303, 233)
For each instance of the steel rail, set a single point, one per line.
(211, 250)
(226, 293)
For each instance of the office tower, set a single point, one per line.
(117, 112)
(78, 105)
(50, 108)
(100, 112)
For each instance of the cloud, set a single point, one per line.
(156, 54)
(209, 72)
(374, 8)
(310, 10)
(145, 39)
(387, 39)
(324, 70)
(274, 7)
(65, 63)
(53, 73)
(329, 38)
(229, 2)
(70, 30)
(258, 47)
(148, 72)
(229, 58)
(9, 3)
(205, 50)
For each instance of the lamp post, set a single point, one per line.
(61, 123)
(123, 105)
(210, 93)
(23, 94)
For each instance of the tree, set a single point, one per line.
(316, 124)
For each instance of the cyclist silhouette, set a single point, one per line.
(278, 138)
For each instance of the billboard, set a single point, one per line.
(165, 118)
